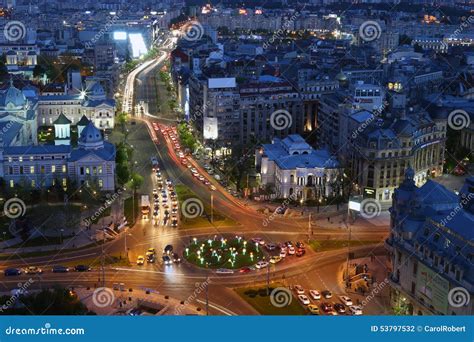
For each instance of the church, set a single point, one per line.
(23, 162)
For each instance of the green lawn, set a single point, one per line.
(258, 299)
(41, 241)
(109, 260)
(327, 245)
(216, 253)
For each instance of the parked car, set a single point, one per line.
(356, 310)
(261, 264)
(315, 294)
(12, 272)
(82, 268)
(245, 270)
(291, 250)
(275, 259)
(300, 252)
(313, 309)
(326, 307)
(270, 246)
(299, 289)
(327, 294)
(340, 308)
(304, 299)
(33, 270)
(224, 271)
(346, 300)
(60, 269)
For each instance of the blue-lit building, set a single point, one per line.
(432, 247)
(295, 169)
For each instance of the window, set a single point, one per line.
(101, 183)
(33, 183)
(53, 168)
(64, 169)
(20, 159)
(32, 169)
(64, 182)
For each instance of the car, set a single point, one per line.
(213, 188)
(166, 260)
(355, 310)
(283, 253)
(168, 249)
(245, 270)
(60, 269)
(150, 258)
(315, 294)
(304, 299)
(299, 289)
(176, 258)
(33, 270)
(345, 300)
(261, 264)
(156, 213)
(174, 211)
(82, 268)
(155, 192)
(270, 246)
(224, 271)
(339, 308)
(150, 251)
(140, 260)
(326, 307)
(174, 223)
(326, 294)
(300, 252)
(275, 259)
(289, 244)
(300, 244)
(313, 309)
(291, 250)
(12, 272)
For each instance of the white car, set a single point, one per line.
(282, 254)
(356, 310)
(261, 264)
(304, 299)
(315, 294)
(345, 300)
(299, 289)
(291, 250)
(258, 240)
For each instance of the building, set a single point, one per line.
(91, 163)
(431, 247)
(295, 169)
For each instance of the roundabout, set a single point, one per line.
(231, 253)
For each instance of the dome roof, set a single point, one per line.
(90, 134)
(62, 120)
(341, 76)
(96, 89)
(14, 96)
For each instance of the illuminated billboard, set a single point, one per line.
(210, 128)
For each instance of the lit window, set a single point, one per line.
(64, 168)
(12, 183)
(101, 183)
(33, 183)
(20, 159)
(32, 158)
(53, 168)
(64, 182)
(32, 169)
(10, 159)
(88, 171)
(100, 169)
